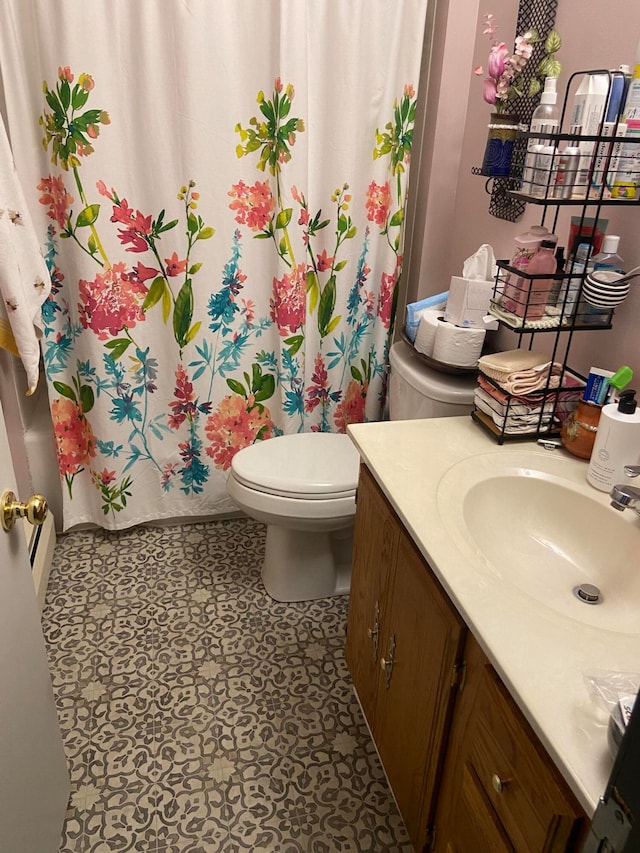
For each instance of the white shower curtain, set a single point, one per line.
(220, 191)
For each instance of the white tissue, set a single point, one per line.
(457, 345)
(481, 265)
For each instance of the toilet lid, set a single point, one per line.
(311, 465)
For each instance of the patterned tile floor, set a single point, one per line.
(199, 715)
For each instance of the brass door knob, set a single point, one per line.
(34, 510)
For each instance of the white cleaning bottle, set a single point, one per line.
(545, 119)
(617, 443)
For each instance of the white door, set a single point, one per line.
(34, 781)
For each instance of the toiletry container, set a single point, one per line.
(526, 245)
(571, 286)
(579, 430)
(608, 258)
(545, 119)
(617, 443)
(418, 391)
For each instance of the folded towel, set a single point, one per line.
(522, 382)
(547, 321)
(24, 279)
(512, 359)
(563, 402)
(512, 414)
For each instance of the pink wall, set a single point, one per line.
(454, 203)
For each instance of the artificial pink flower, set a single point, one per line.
(86, 82)
(103, 478)
(174, 265)
(65, 73)
(56, 196)
(235, 424)
(111, 302)
(289, 301)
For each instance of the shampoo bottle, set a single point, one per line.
(543, 263)
(617, 443)
(526, 245)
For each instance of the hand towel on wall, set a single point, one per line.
(24, 279)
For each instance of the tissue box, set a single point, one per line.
(468, 302)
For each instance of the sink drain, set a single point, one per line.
(588, 593)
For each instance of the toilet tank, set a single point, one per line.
(417, 391)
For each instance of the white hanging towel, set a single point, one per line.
(24, 278)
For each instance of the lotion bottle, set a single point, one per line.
(617, 443)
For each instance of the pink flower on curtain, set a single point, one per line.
(235, 424)
(56, 196)
(174, 265)
(75, 442)
(110, 302)
(318, 392)
(378, 202)
(254, 205)
(385, 298)
(183, 406)
(350, 410)
(288, 304)
(323, 262)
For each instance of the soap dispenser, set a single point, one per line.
(617, 443)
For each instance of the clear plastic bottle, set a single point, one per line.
(542, 263)
(545, 119)
(571, 286)
(608, 258)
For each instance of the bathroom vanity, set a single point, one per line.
(472, 688)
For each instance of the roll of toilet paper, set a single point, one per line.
(458, 346)
(427, 329)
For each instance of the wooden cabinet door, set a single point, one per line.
(375, 545)
(500, 790)
(424, 636)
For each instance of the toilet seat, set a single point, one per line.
(306, 466)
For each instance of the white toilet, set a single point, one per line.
(303, 486)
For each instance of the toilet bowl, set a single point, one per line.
(302, 487)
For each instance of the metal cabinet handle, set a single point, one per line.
(374, 633)
(499, 784)
(387, 664)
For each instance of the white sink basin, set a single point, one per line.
(529, 519)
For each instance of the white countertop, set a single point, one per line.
(541, 656)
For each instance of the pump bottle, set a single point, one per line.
(617, 443)
(545, 119)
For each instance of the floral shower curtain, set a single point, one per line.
(220, 192)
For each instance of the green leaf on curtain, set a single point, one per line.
(54, 103)
(237, 387)
(168, 226)
(90, 117)
(193, 331)
(397, 217)
(326, 306)
(285, 106)
(351, 233)
(340, 266)
(266, 388)
(65, 94)
(86, 398)
(267, 110)
(166, 305)
(205, 233)
(356, 374)
(342, 223)
(262, 236)
(79, 98)
(92, 245)
(284, 217)
(256, 376)
(117, 346)
(334, 323)
(294, 343)
(155, 293)
(65, 390)
(183, 312)
(88, 216)
(313, 289)
(194, 268)
(192, 223)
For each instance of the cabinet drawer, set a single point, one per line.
(525, 792)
